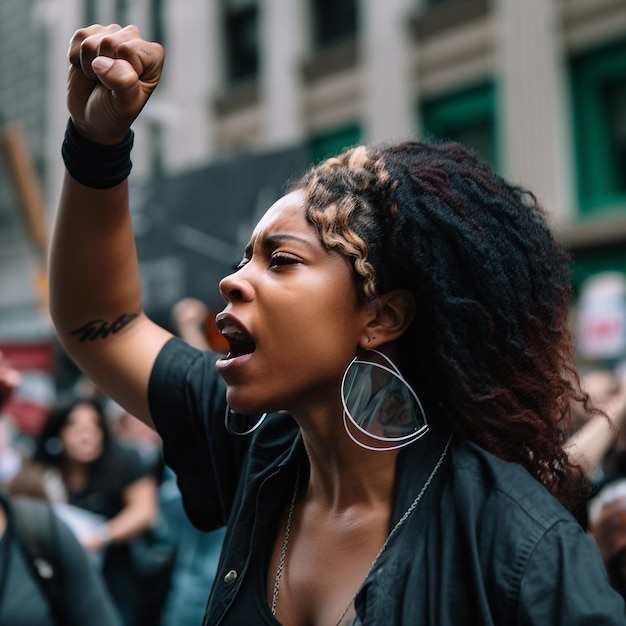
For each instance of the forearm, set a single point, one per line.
(95, 290)
(93, 265)
(590, 444)
(138, 514)
(95, 294)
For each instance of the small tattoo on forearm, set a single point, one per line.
(99, 328)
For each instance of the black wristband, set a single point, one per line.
(96, 165)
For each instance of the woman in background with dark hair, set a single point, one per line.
(85, 466)
(45, 575)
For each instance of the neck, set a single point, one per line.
(74, 474)
(342, 474)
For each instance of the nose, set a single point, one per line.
(236, 287)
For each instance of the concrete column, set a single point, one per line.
(388, 104)
(283, 42)
(58, 19)
(534, 106)
(182, 104)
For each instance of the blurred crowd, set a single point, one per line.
(100, 472)
(598, 443)
(140, 561)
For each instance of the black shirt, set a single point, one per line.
(487, 544)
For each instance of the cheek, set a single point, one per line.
(329, 306)
(96, 439)
(324, 327)
(66, 438)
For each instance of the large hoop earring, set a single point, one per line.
(240, 424)
(379, 404)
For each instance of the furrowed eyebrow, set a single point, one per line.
(278, 237)
(271, 240)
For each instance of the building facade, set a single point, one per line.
(538, 87)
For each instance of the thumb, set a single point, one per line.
(117, 75)
(120, 96)
(101, 65)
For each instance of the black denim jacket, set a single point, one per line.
(487, 544)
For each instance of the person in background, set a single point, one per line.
(607, 526)
(10, 455)
(384, 437)
(88, 468)
(36, 544)
(599, 446)
(156, 554)
(136, 435)
(189, 317)
(198, 552)
(597, 442)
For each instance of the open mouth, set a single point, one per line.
(239, 343)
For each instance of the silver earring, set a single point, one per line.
(241, 424)
(379, 404)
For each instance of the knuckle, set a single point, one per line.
(132, 30)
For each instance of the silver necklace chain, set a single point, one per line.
(283, 551)
(394, 530)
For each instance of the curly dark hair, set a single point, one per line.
(490, 346)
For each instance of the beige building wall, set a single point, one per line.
(404, 54)
(377, 81)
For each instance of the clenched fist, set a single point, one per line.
(112, 74)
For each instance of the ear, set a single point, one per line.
(391, 315)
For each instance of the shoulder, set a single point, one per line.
(178, 359)
(30, 510)
(527, 540)
(484, 480)
(531, 556)
(506, 514)
(125, 460)
(41, 532)
(184, 381)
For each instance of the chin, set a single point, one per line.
(86, 456)
(238, 404)
(246, 406)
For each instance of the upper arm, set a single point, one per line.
(118, 355)
(95, 294)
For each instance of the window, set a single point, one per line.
(241, 33)
(328, 144)
(615, 97)
(436, 16)
(467, 116)
(599, 104)
(333, 20)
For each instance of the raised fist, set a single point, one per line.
(112, 74)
